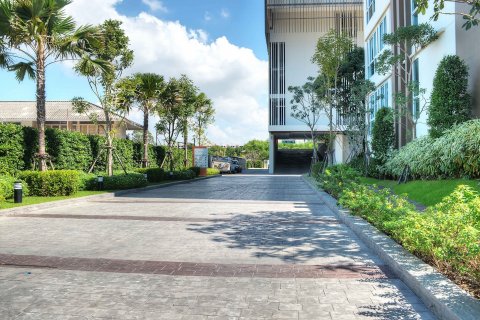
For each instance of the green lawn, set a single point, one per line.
(425, 192)
(36, 200)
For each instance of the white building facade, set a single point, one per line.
(385, 16)
(293, 28)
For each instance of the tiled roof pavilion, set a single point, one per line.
(57, 111)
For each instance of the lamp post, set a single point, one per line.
(100, 182)
(17, 192)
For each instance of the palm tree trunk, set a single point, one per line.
(185, 141)
(41, 106)
(145, 138)
(108, 127)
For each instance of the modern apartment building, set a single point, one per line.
(385, 16)
(292, 29)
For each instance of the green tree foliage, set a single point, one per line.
(450, 102)
(329, 55)
(405, 40)
(147, 88)
(308, 106)
(470, 16)
(35, 34)
(203, 116)
(104, 82)
(382, 135)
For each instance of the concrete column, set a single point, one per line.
(342, 148)
(272, 149)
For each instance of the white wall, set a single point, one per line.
(430, 57)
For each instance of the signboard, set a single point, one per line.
(200, 157)
(289, 141)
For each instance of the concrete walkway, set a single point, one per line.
(233, 247)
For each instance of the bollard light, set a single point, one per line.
(145, 176)
(100, 182)
(17, 192)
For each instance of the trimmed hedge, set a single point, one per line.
(6, 187)
(212, 171)
(52, 183)
(11, 149)
(153, 174)
(70, 150)
(455, 154)
(181, 175)
(124, 181)
(196, 170)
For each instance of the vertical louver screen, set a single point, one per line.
(277, 83)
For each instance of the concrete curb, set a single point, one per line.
(443, 297)
(59, 203)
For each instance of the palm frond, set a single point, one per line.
(84, 39)
(93, 67)
(23, 68)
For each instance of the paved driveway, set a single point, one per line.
(232, 247)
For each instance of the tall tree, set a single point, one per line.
(470, 16)
(308, 106)
(170, 112)
(145, 97)
(405, 41)
(451, 103)
(105, 83)
(188, 92)
(329, 56)
(203, 116)
(35, 34)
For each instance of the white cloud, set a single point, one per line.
(225, 13)
(233, 77)
(207, 16)
(155, 5)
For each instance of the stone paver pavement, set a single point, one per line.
(233, 247)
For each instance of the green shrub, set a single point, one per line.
(153, 174)
(196, 170)
(181, 175)
(124, 181)
(212, 171)
(70, 150)
(337, 178)
(254, 164)
(455, 154)
(52, 183)
(11, 149)
(6, 187)
(87, 181)
(383, 137)
(450, 102)
(317, 169)
(30, 146)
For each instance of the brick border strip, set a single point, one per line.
(446, 300)
(340, 271)
(59, 203)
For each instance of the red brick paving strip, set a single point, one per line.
(314, 220)
(198, 269)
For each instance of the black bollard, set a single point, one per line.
(100, 182)
(17, 192)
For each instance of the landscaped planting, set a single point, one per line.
(153, 174)
(445, 235)
(337, 178)
(125, 181)
(455, 154)
(212, 171)
(6, 187)
(52, 183)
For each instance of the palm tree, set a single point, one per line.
(146, 96)
(35, 34)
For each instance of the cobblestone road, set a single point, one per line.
(233, 247)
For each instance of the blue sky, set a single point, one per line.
(219, 44)
(242, 23)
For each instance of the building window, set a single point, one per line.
(414, 13)
(277, 83)
(375, 45)
(378, 99)
(370, 9)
